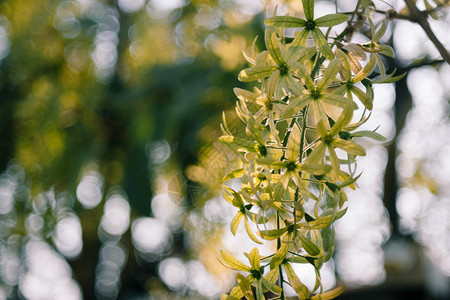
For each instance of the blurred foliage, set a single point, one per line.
(89, 87)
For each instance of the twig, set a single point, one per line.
(421, 19)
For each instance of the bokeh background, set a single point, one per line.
(110, 167)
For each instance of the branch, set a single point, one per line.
(421, 19)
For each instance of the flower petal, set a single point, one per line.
(285, 22)
(273, 45)
(308, 8)
(330, 20)
(363, 97)
(329, 75)
(255, 73)
(232, 262)
(322, 43)
(349, 146)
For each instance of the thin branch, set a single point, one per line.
(421, 18)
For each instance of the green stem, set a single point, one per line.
(280, 271)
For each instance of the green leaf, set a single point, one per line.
(232, 262)
(285, 22)
(386, 50)
(376, 37)
(389, 78)
(255, 73)
(349, 147)
(349, 181)
(309, 246)
(322, 43)
(308, 8)
(298, 260)
(340, 214)
(273, 45)
(370, 134)
(235, 222)
(330, 20)
(301, 289)
(330, 294)
(319, 223)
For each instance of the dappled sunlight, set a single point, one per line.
(89, 190)
(67, 236)
(151, 238)
(47, 274)
(116, 215)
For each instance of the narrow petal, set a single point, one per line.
(293, 145)
(272, 83)
(334, 163)
(255, 73)
(295, 105)
(363, 97)
(322, 43)
(330, 20)
(295, 85)
(346, 70)
(329, 75)
(366, 70)
(316, 156)
(250, 232)
(343, 120)
(349, 146)
(303, 74)
(279, 257)
(285, 22)
(297, 47)
(254, 259)
(308, 8)
(273, 45)
(335, 99)
(319, 113)
(232, 262)
(235, 222)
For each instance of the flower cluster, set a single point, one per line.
(291, 172)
